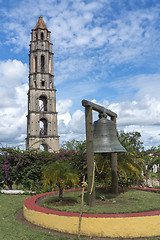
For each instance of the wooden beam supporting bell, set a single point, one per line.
(105, 142)
(90, 156)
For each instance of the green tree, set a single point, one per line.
(103, 169)
(60, 174)
(130, 164)
(131, 141)
(152, 156)
(74, 145)
(24, 167)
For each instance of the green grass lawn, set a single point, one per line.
(10, 229)
(130, 201)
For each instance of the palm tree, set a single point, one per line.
(60, 174)
(130, 165)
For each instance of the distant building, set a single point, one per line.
(42, 115)
(155, 168)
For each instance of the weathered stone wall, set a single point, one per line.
(41, 119)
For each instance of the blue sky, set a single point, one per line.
(105, 51)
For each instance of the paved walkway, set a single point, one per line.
(14, 191)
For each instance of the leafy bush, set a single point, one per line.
(24, 167)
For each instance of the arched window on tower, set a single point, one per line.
(35, 83)
(42, 36)
(42, 64)
(43, 147)
(42, 103)
(43, 127)
(50, 65)
(36, 36)
(43, 83)
(48, 36)
(35, 64)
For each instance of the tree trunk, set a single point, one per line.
(60, 193)
(114, 173)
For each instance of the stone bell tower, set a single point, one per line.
(42, 115)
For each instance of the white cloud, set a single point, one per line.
(64, 106)
(79, 28)
(131, 117)
(17, 35)
(12, 73)
(143, 104)
(71, 126)
(142, 116)
(69, 26)
(150, 134)
(13, 106)
(64, 119)
(132, 34)
(145, 112)
(145, 84)
(77, 123)
(13, 125)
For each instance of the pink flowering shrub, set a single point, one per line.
(24, 167)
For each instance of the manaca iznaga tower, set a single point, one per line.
(42, 115)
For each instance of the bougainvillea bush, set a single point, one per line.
(24, 167)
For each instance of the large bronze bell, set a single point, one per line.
(104, 136)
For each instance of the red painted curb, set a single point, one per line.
(30, 204)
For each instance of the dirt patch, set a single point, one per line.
(61, 203)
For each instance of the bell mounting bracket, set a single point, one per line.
(89, 106)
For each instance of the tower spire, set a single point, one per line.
(40, 24)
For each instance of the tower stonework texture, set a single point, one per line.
(42, 115)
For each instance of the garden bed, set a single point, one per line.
(128, 201)
(128, 225)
